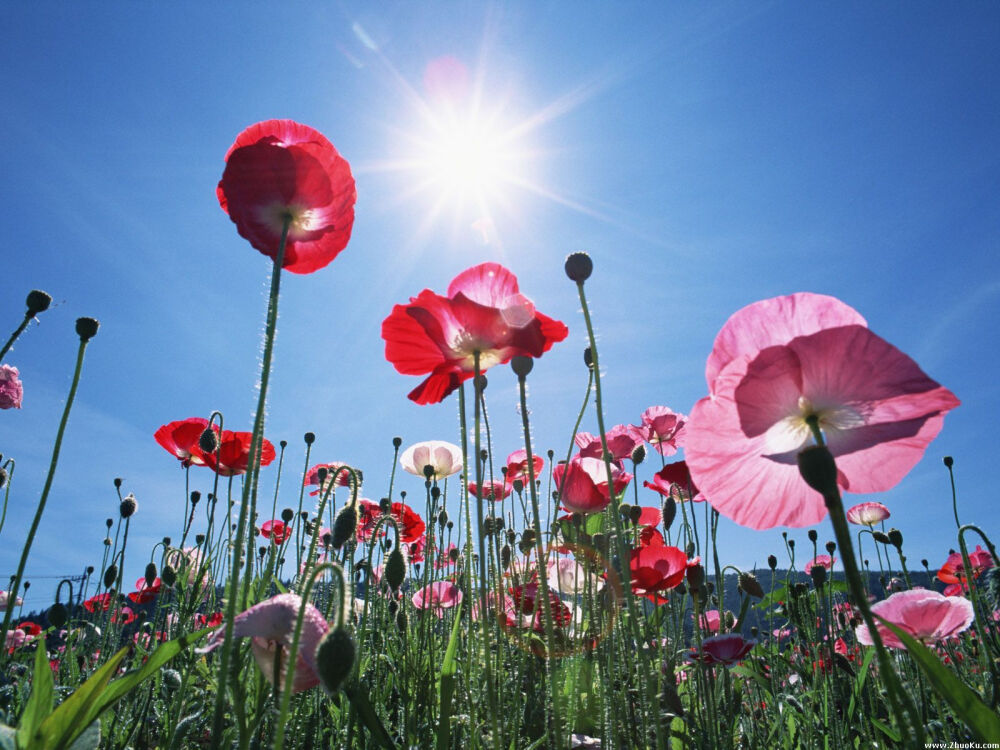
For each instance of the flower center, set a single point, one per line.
(793, 431)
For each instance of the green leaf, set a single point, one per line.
(753, 675)
(42, 696)
(978, 717)
(90, 739)
(358, 697)
(594, 524)
(859, 682)
(448, 669)
(66, 723)
(885, 729)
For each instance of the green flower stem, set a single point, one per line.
(543, 571)
(8, 466)
(16, 585)
(17, 332)
(218, 721)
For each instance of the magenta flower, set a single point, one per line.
(583, 484)
(11, 389)
(722, 649)
(270, 625)
(439, 596)
(820, 561)
(517, 466)
(926, 615)
(777, 364)
(867, 514)
(711, 620)
(622, 440)
(663, 428)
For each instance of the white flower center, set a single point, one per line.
(792, 432)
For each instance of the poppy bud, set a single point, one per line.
(518, 486)
(150, 574)
(283, 443)
(335, 658)
(86, 328)
(521, 366)
(504, 556)
(791, 544)
(578, 267)
(395, 569)
(831, 547)
(924, 562)
(772, 562)
(309, 438)
(3, 478)
(37, 302)
(344, 525)
(689, 550)
(166, 541)
(428, 472)
(818, 574)
(168, 575)
(799, 589)
(817, 467)
(110, 576)
(625, 509)
(479, 383)
(385, 505)
(117, 482)
(109, 522)
(695, 576)
(669, 512)
(435, 493)
(208, 441)
(107, 541)
(588, 358)
(879, 536)
(199, 539)
(949, 461)
(401, 621)
(171, 679)
(57, 615)
(813, 536)
(635, 513)
(748, 582)
(451, 525)
(90, 570)
(128, 506)
(453, 554)
(287, 514)
(638, 454)
(895, 537)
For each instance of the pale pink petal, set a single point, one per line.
(488, 284)
(775, 321)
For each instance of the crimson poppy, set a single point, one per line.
(275, 530)
(484, 312)
(656, 568)
(98, 603)
(281, 170)
(343, 478)
(234, 454)
(181, 439)
(675, 479)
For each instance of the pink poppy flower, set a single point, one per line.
(567, 576)
(724, 649)
(5, 600)
(439, 596)
(517, 466)
(867, 514)
(11, 388)
(271, 625)
(311, 478)
(711, 620)
(445, 458)
(674, 480)
(926, 615)
(622, 440)
(280, 168)
(820, 561)
(776, 364)
(494, 491)
(583, 484)
(484, 312)
(15, 639)
(662, 428)
(276, 530)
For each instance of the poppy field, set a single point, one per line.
(472, 592)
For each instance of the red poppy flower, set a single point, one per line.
(234, 454)
(953, 570)
(145, 592)
(368, 515)
(524, 598)
(181, 439)
(98, 603)
(583, 484)
(722, 649)
(275, 530)
(675, 479)
(212, 620)
(517, 466)
(343, 478)
(30, 629)
(656, 568)
(279, 169)
(123, 616)
(411, 525)
(484, 312)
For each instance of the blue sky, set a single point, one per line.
(706, 155)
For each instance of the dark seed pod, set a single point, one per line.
(168, 575)
(309, 438)
(695, 576)
(37, 302)
(395, 569)
(57, 615)
(588, 358)
(199, 539)
(949, 461)
(578, 267)
(813, 536)
(772, 562)
(110, 576)
(86, 328)
(344, 525)
(880, 536)
(150, 574)
(635, 513)
(195, 497)
(396, 442)
(831, 547)
(287, 514)
(128, 506)
(522, 365)
(335, 657)
(818, 574)
(109, 522)
(401, 622)
(895, 537)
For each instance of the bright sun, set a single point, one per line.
(468, 155)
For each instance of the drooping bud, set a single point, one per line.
(749, 584)
(344, 525)
(895, 537)
(669, 511)
(208, 441)
(817, 467)
(578, 267)
(57, 615)
(395, 569)
(588, 358)
(335, 657)
(504, 556)
(880, 536)
(150, 574)
(168, 575)
(110, 576)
